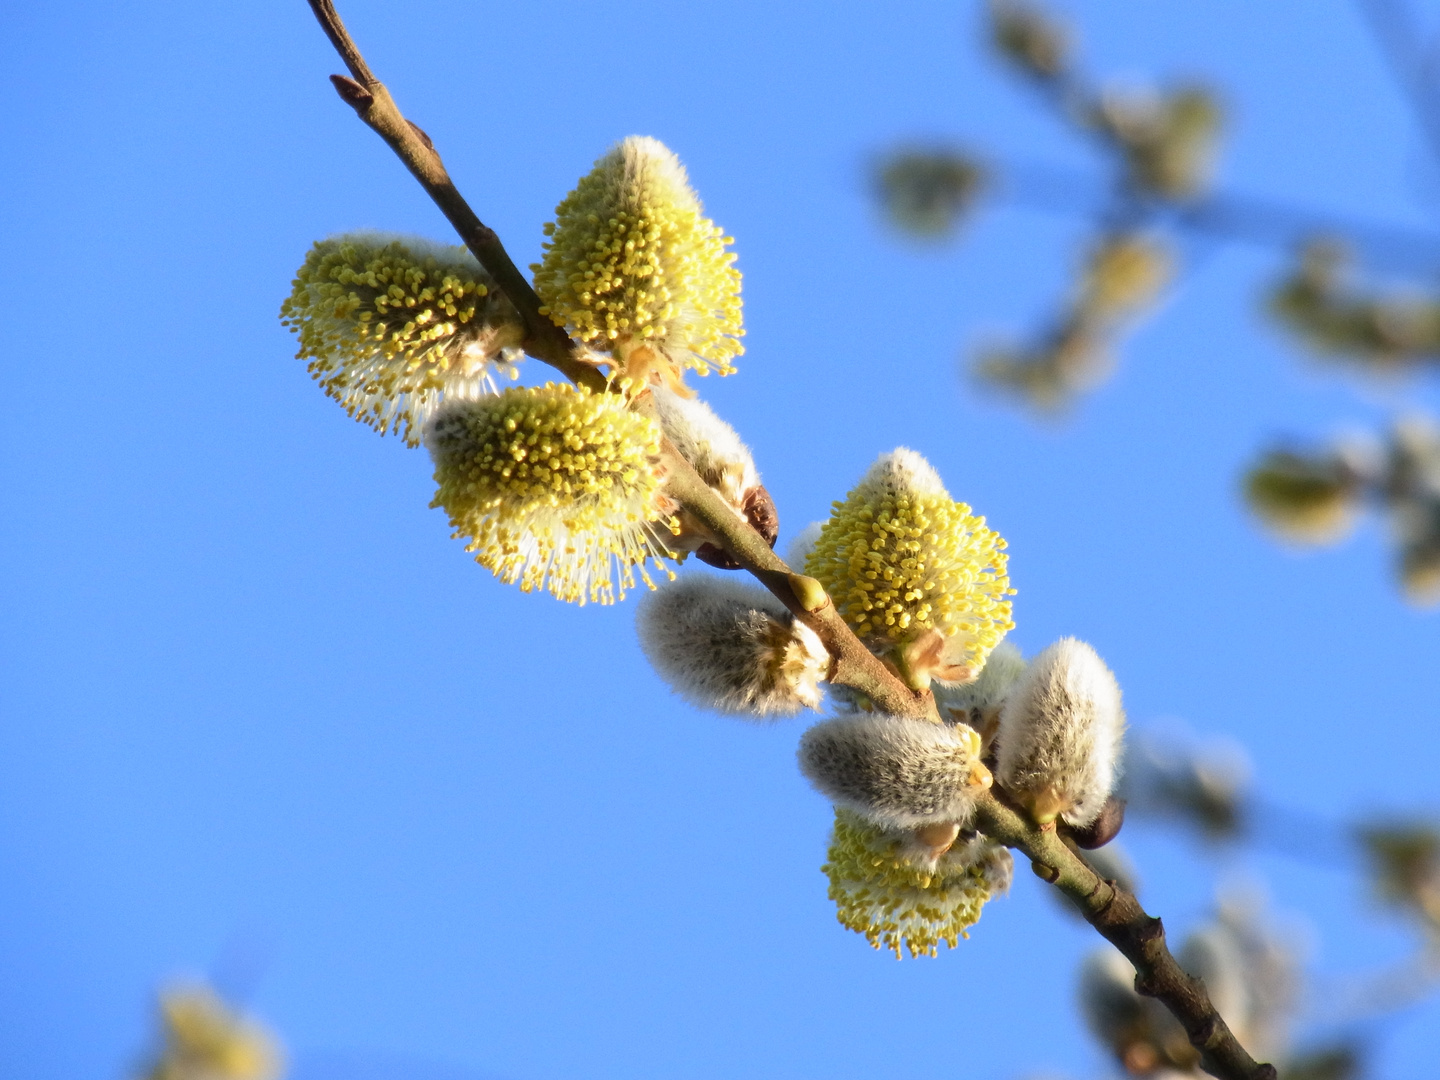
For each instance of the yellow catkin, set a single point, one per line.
(899, 556)
(554, 487)
(205, 1040)
(894, 902)
(634, 267)
(392, 326)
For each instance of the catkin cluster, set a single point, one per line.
(564, 489)
(551, 487)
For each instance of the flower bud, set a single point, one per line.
(204, 1039)
(1060, 735)
(897, 772)
(634, 267)
(728, 646)
(1310, 499)
(915, 574)
(901, 899)
(978, 703)
(1038, 45)
(724, 462)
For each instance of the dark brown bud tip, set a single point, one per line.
(352, 93)
(761, 513)
(716, 557)
(1103, 829)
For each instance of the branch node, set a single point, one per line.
(1149, 930)
(353, 94)
(1103, 907)
(1205, 1034)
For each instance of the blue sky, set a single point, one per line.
(263, 718)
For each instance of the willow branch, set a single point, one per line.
(1110, 909)
(1113, 911)
(854, 665)
(373, 104)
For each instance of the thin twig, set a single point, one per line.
(373, 104)
(1109, 908)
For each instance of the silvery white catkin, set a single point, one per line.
(711, 445)
(970, 702)
(897, 772)
(728, 646)
(1060, 734)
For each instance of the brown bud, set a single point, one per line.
(352, 93)
(761, 514)
(1103, 829)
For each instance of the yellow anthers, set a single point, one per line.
(554, 487)
(905, 565)
(634, 267)
(205, 1040)
(899, 899)
(392, 326)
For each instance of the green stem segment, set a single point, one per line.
(1112, 910)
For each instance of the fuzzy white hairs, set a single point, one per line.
(1060, 734)
(978, 703)
(726, 465)
(724, 645)
(896, 772)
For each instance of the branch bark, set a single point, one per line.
(1112, 910)
(1115, 913)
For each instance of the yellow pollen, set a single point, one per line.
(554, 487)
(632, 259)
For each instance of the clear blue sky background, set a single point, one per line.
(263, 718)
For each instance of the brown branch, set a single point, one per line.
(373, 104)
(1113, 911)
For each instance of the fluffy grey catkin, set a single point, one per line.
(1060, 734)
(724, 645)
(899, 773)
